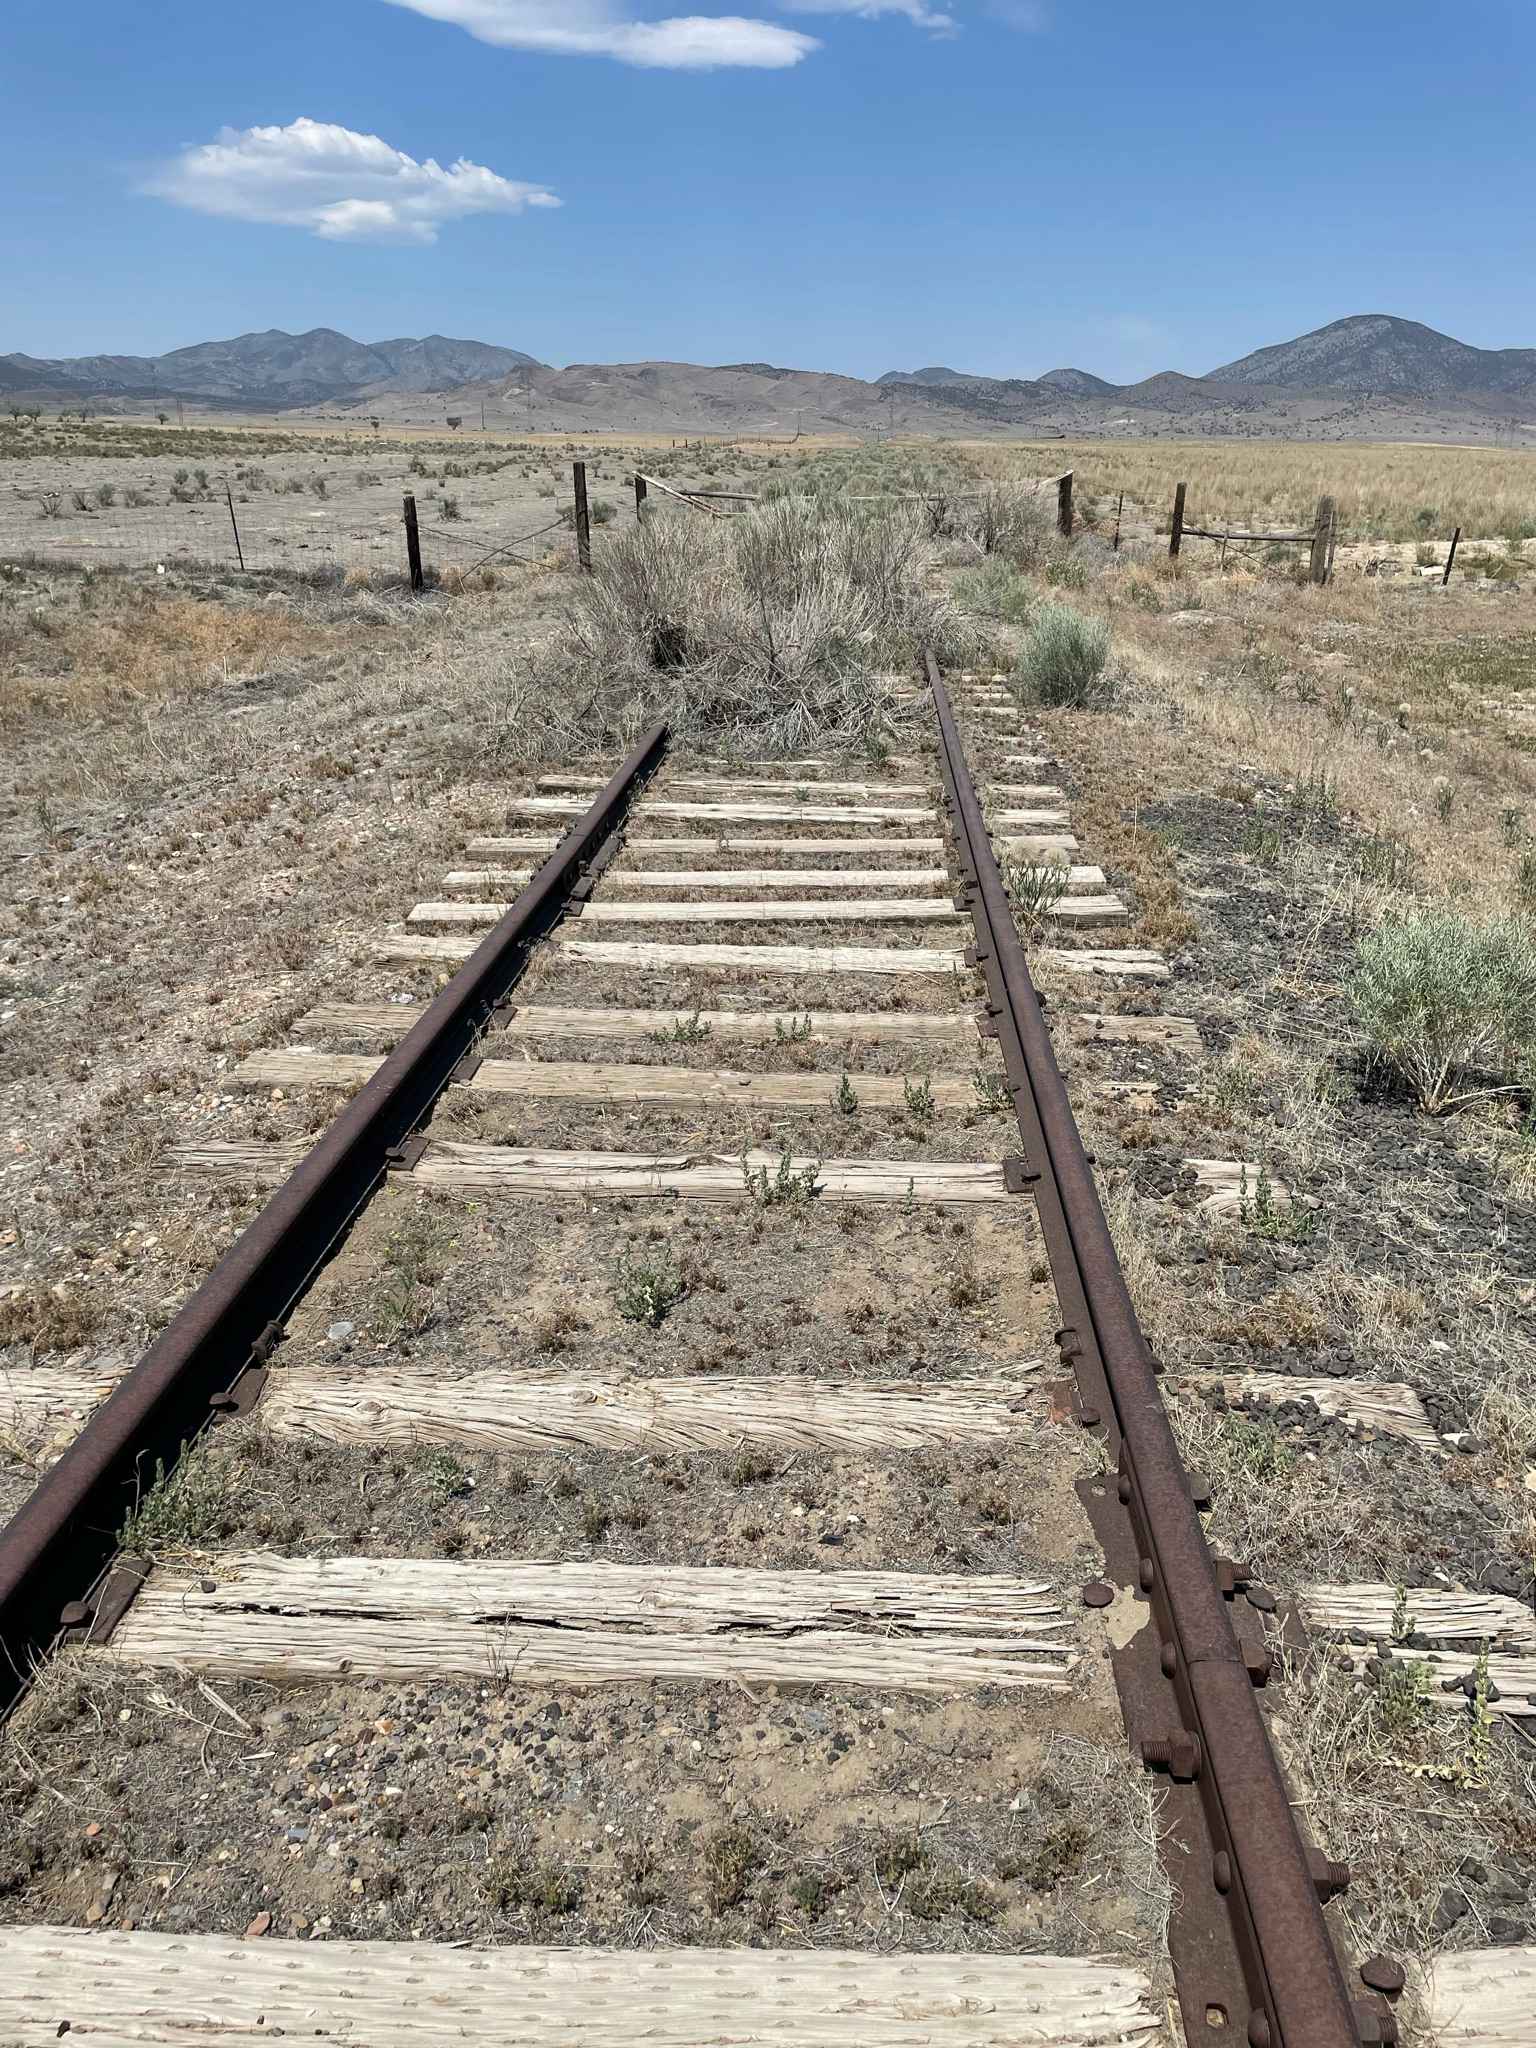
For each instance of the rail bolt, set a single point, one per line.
(1180, 1755)
(1260, 1662)
(1221, 1872)
(1146, 1572)
(1328, 1878)
(1376, 2028)
(1384, 1974)
(1259, 2031)
(1168, 1660)
(1230, 1576)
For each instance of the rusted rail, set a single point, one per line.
(1251, 1950)
(56, 1550)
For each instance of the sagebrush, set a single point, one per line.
(1449, 1004)
(787, 628)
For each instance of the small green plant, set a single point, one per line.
(1445, 799)
(1281, 1219)
(603, 511)
(105, 495)
(684, 1031)
(731, 1860)
(1512, 824)
(844, 1098)
(1525, 879)
(813, 1894)
(1263, 842)
(786, 1184)
(1314, 799)
(445, 1476)
(1386, 859)
(1066, 571)
(448, 509)
(1256, 1450)
(992, 1091)
(1402, 1620)
(182, 1508)
(1064, 659)
(537, 1889)
(792, 1030)
(1401, 1700)
(1035, 890)
(918, 1097)
(647, 1290)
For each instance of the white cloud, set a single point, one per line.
(605, 28)
(914, 11)
(340, 185)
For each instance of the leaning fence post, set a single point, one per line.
(412, 542)
(639, 492)
(1322, 540)
(1064, 504)
(583, 519)
(1119, 508)
(1176, 538)
(1450, 558)
(234, 522)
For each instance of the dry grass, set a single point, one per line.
(1384, 491)
(104, 643)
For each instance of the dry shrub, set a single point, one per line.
(771, 633)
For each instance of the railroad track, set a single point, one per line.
(855, 950)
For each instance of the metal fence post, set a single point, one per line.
(1176, 538)
(1119, 508)
(1451, 557)
(583, 519)
(412, 542)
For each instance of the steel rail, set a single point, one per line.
(55, 1550)
(1259, 1878)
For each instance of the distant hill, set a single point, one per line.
(1371, 377)
(1081, 383)
(271, 368)
(1377, 352)
(937, 375)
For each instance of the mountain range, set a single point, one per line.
(271, 368)
(1370, 375)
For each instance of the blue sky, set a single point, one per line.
(999, 185)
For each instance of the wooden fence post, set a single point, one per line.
(639, 492)
(1322, 540)
(234, 522)
(1451, 557)
(583, 519)
(412, 542)
(1119, 508)
(1064, 504)
(1176, 538)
